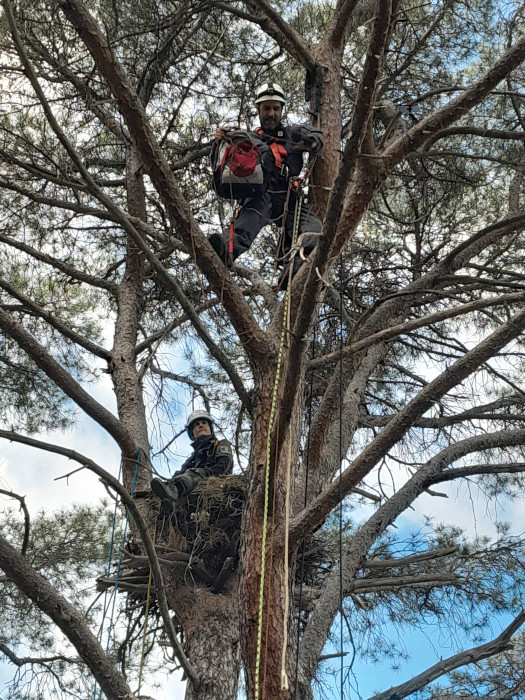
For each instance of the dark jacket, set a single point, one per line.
(290, 135)
(211, 457)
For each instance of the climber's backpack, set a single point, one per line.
(238, 166)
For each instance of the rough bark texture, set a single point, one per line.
(221, 630)
(128, 389)
(213, 638)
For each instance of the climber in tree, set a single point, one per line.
(287, 145)
(211, 457)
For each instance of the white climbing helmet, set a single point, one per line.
(195, 416)
(269, 91)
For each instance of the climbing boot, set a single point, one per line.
(218, 246)
(167, 493)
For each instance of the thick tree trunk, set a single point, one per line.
(211, 623)
(126, 380)
(330, 123)
(263, 658)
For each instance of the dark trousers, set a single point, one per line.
(256, 212)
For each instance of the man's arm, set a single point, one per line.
(223, 458)
(306, 138)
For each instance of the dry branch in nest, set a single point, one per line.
(199, 538)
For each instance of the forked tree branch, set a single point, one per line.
(475, 131)
(470, 656)
(360, 542)
(115, 484)
(477, 470)
(361, 117)
(25, 660)
(340, 24)
(27, 522)
(319, 509)
(284, 35)
(256, 343)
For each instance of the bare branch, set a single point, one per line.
(164, 374)
(478, 470)
(432, 555)
(470, 656)
(475, 131)
(27, 522)
(24, 660)
(67, 332)
(141, 524)
(164, 332)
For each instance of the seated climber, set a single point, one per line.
(288, 145)
(211, 457)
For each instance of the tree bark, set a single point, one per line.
(67, 618)
(211, 624)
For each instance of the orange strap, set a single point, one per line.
(278, 150)
(230, 237)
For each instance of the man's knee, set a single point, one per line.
(186, 482)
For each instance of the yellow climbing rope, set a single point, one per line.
(284, 332)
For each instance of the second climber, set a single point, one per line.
(288, 144)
